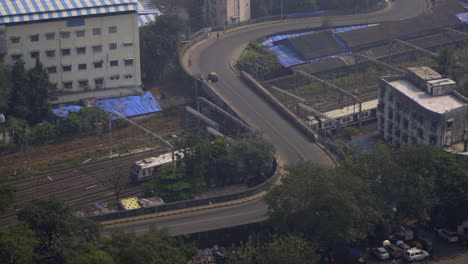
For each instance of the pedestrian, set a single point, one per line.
(217, 35)
(190, 62)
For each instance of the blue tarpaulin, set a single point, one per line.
(130, 106)
(66, 110)
(463, 17)
(287, 57)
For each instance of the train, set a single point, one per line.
(147, 168)
(346, 116)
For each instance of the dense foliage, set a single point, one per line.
(158, 47)
(260, 61)
(386, 188)
(209, 164)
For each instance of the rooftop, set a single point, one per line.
(425, 73)
(437, 104)
(18, 11)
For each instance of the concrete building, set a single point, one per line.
(89, 48)
(225, 12)
(421, 108)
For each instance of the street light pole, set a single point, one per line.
(281, 5)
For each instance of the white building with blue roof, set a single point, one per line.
(88, 47)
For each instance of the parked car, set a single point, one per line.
(394, 251)
(402, 245)
(447, 235)
(381, 253)
(415, 254)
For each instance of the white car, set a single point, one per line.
(380, 253)
(415, 254)
(402, 245)
(448, 235)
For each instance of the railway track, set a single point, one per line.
(79, 187)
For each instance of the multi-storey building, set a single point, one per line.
(85, 46)
(225, 12)
(421, 108)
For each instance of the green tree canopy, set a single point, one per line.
(17, 245)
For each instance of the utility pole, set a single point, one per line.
(281, 6)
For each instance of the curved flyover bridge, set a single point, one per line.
(292, 145)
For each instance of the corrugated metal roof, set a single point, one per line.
(130, 105)
(14, 11)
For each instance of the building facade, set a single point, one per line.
(226, 12)
(421, 108)
(85, 46)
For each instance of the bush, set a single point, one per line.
(43, 133)
(7, 147)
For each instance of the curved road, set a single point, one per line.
(293, 146)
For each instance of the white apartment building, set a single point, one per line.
(86, 46)
(421, 108)
(225, 12)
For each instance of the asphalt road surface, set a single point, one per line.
(214, 55)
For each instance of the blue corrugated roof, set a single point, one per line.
(13, 11)
(130, 105)
(463, 17)
(66, 110)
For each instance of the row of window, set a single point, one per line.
(98, 82)
(64, 35)
(84, 66)
(67, 51)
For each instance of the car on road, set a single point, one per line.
(415, 254)
(381, 253)
(212, 77)
(447, 235)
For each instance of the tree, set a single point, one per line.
(288, 249)
(17, 245)
(19, 99)
(195, 11)
(158, 46)
(44, 132)
(445, 61)
(325, 204)
(252, 156)
(154, 247)
(171, 184)
(5, 88)
(56, 227)
(38, 93)
(6, 196)
(90, 254)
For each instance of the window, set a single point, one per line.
(96, 31)
(128, 44)
(128, 76)
(83, 84)
(113, 46)
(52, 69)
(128, 62)
(114, 77)
(82, 67)
(34, 54)
(112, 30)
(114, 63)
(99, 82)
(97, 48)
(65, 52)
(81, 50)
(68, 85)
(80, 33)
(15, 40)
(50, 36)
(15, 57)
(50, 53)
(75, 22)
(98, 64)
(65, 34)
(34, 38)
(67, 68)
